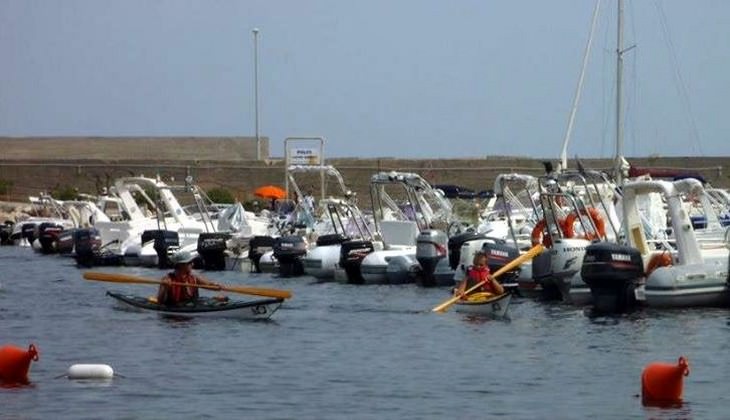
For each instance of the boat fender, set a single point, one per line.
(15, 364)
(658, 260)
(90, 371)
(661, 383)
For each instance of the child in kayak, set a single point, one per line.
(478, 272)
(173, 294)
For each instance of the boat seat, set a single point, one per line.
(399, 232)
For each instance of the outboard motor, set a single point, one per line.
(542, 269)
(6, 229)
(351, 255)
(29, 232)
(289, 250)
(87, 243)
(164, 240)
(431, 251)
(65, 241)
(455, 243)
(211, 248)
(48, 233)
(613, 272)
(500, 253)
(331, 239)
(258, 246)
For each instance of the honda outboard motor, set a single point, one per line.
(500, 253)
(431, 254)
(455, 243)
(258, 246)
(211, 248)
(6, 229)
(48, 233)
(164, 240)
(289, 250)
(613, 272)
(351, 255)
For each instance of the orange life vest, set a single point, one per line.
(181, 294)
(476, 275)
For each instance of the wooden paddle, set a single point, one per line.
(532, 253)
(246, 290)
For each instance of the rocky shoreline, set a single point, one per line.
(14, 211)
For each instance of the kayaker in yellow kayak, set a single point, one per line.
(176, 294)
(479, 272)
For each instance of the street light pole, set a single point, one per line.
(255, 32)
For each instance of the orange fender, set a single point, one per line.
(15, 364)
(595, 215)
(661, 383)
(658, 260)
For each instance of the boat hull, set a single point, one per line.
(205, 307)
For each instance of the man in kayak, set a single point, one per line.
(175, 294)
(479, 272)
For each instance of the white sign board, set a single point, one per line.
(301, 156)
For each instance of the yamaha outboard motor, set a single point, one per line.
(455, 243)
(48, 233)
(211, 248)
(351, 255)
(258, 246)
(6, 229)
(164, 240)
(289, 250)
(500, 253)
(613, 272)
(431, 253)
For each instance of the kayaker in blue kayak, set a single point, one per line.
(171, 293)
(479, 272)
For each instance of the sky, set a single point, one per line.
(375, 78)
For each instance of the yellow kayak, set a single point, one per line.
(484, 303)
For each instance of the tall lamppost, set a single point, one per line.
(255, 32)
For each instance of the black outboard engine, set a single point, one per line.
(613, 272)
(331, 239)
(351, 255)
(258, 246)
(164, 240)
(90, 251)
(431, 250)
(211, 248)
(29, 232)
(455, 243)
(48, 233)
(289, 250)
(500, 253)
(6, 229)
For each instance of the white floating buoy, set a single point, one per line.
(88, 371)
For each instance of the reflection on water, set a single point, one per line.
(338, 351)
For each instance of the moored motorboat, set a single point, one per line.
(484, 303)
(205, 307)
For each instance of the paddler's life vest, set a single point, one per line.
(475, 275)
(180, 294)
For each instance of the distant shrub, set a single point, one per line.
(220, 195)
(65, 193)
(5, 187)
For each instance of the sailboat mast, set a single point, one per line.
(619, 92)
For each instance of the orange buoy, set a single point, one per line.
(661, 383)
(15, 364)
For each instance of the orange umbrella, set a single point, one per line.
(272, 192)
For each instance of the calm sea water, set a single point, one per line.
(343, 352)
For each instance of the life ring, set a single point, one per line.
(540, 234)
(658, 260)
(598, 222)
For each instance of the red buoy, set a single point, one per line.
(15, 364)
(661, 383)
